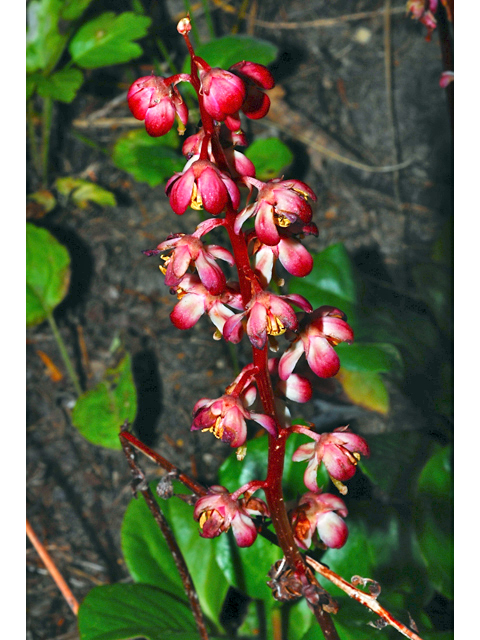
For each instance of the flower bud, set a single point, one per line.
(157, 102)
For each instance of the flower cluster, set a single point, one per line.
(265, 231)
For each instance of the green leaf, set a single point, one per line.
(47, 271)
(62, 86)
(108, 40)
(73, 9)
(434, 519)
(395, 461)
(372, 357)
(121, 611)
(149, 559)
(331, 282)
(270, 156)
(366, 389)
(100, 412)
(82, 192)
(226, 51)
(151, 160)
(45, 43)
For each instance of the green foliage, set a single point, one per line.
(434, 519)
(100, 412)
(270, 156)
(147, 159)
(121, 611)
(333, 282)
(47, 272)
(108, 40)
(83, 192)
(226, 51)
(149, 559)
(62, 85)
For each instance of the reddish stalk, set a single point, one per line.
(52, 569)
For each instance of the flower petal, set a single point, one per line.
(188, 311)
(332, 529)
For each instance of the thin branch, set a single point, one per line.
(326, 22)
(363, 598)
(190, 483)
(141, 485)
(52, 569)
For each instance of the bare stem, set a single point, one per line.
(364, 598)
(140, 483)
(52, 569)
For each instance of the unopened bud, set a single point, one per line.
(184, 26)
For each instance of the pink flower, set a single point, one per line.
(225, 418)
(320, 512)
(296, 388)
(223, 92)
(217, 512)
(188, 250)
(290, 252)
(195, 300)
(255, 77)
(340, 452)
(279, 203)
(445, 79)
(157, 102)
(238, 163)
(201, 185)
(423, 11)
(268, 314)
(325, 327)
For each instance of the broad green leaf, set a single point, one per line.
(434, 519)
(100, 412)
(82, 192)
(365, 388)
(45, 43)
(372, 357)
(270, 156)
(62, 86)
(226, 51)
(47, 271)
(149, 559)
(122, 611)
(108, 40)
(151, 160)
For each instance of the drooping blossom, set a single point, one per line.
(339, 451)
(217, 512)
(325, 327)
(279, 203)
(223, 92)
(156, 101)
(267, 314)
(225, 418)
(424, 11)
(195, 300)
(293, 256)
(445, 79)
(256, 78)
(201, 185)
(296, 388)
(189, 251)
(238, 163)
(323, 513)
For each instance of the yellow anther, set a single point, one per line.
(274, 326)
(282, 220)
(196, 199)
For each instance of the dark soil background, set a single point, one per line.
(333, 94)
